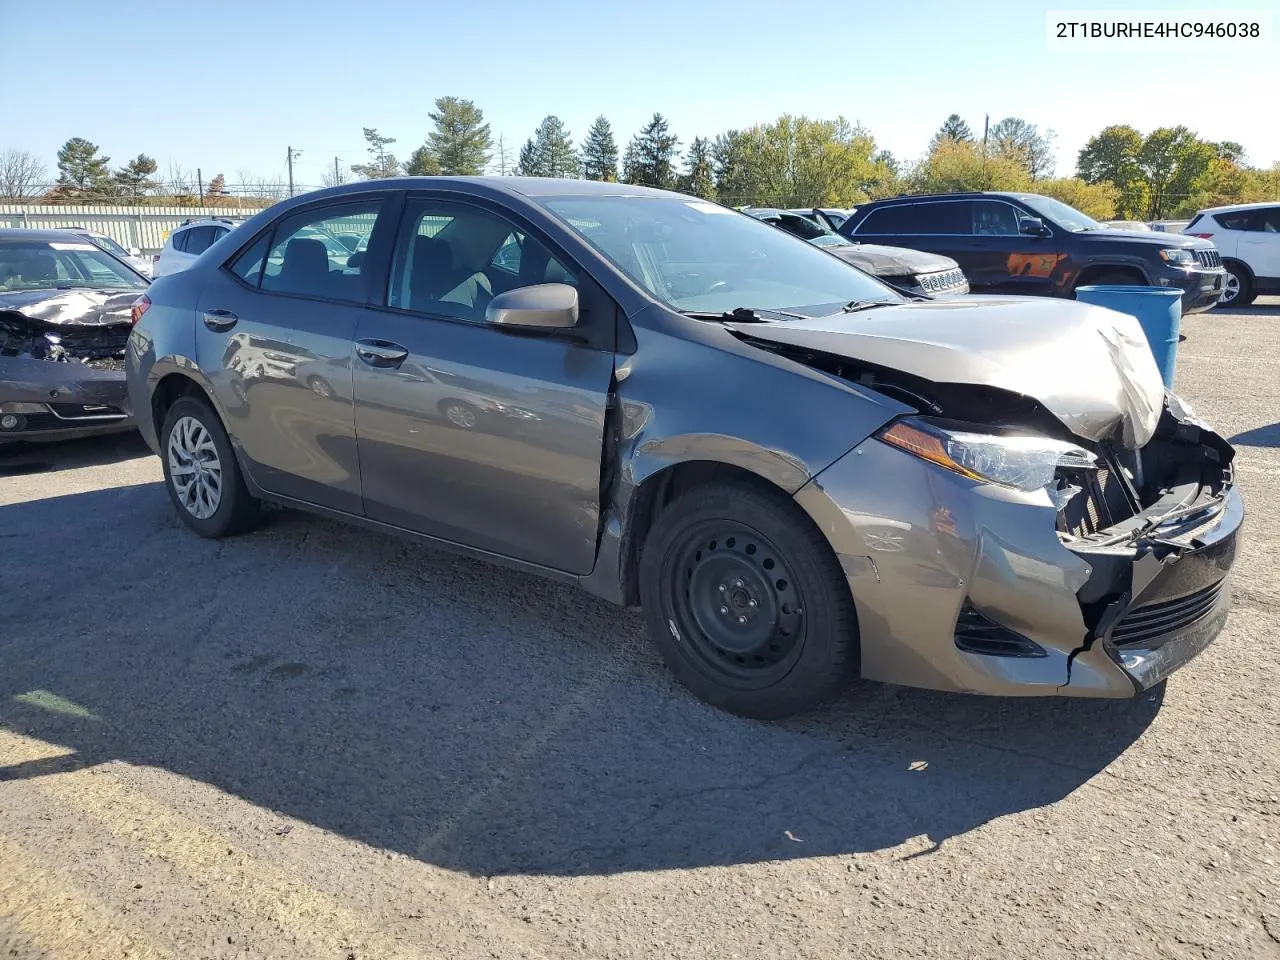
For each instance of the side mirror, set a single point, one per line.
(1032, 227)
(543, 306)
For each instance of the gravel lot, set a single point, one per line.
(316, 742)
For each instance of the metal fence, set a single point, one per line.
(146, 228)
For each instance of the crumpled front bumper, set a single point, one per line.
(920, 545)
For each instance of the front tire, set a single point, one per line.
(1237, 288)
(202, 474)
(746, 601)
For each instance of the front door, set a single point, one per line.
(469, 432)
(274, 335)
(1002, 259)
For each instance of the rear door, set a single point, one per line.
(274, 334)
(471, 433)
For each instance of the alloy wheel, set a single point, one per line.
(1230, 288)
(194, 468)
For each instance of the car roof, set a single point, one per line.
(22, 233)
(521, 186)
(958, 195)
(1231, 207)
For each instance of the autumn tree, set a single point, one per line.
(958, 165)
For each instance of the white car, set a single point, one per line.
(187, 242)
(1248, 237)
(132, 256)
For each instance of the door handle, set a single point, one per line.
(219, 320)
(381, 353)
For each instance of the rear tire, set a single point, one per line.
(202, 474)
(746, 601)
(1239, 286)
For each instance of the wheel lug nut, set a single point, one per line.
(722, 588)
(737, 583)
(724, 609)
(742, 619)
(751, 603)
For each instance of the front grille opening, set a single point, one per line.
(976, 633)
(1091, 500)
(1141, 626)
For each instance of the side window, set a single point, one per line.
(1234, 220)
(946, 217)
(306, 257)
(199, 239)
(991, 218)
(248, 266)
(1269, 220)
(179, 238)
(451, 259)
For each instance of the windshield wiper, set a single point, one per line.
(745, 315)
(855, 305)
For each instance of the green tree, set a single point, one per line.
(550, 152)
(1172, 160)
(1098, 200)
(600, 152)
(651, 155)
(422, 163)
(81, 172)
(134, 179)
(956, 165)
(731, 154)
(699, 175)
(953, 128)
(381, 164)
(461, 141)
(1015, 139)
(1112, 156)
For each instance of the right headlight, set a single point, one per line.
(1022, 461)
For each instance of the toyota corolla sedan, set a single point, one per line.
(796, 473)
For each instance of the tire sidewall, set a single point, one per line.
(1242, 293)
(829, 652)
(223, 519)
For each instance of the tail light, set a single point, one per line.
(1202, 236)
(140, 306)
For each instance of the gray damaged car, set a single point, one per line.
(796, 473)
(65, 316)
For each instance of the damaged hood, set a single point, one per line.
(89, 307)
(891, 261)
(1088, 366)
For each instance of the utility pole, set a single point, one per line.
(337, 177)
(986, 126)
(292, 154)
(200, 186)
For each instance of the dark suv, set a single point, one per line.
(1022, 243)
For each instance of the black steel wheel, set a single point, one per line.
(746, 600)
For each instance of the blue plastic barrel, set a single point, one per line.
(1158, 311)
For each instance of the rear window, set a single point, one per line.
(199, 239)
(944, 217)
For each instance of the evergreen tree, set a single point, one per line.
(953, 128)
(381, 164)
(81, 172)
(652, 151)
(461, 141)
(134, 178)
(422, 163)
(699, 176)
(600, 152)
(550, 153)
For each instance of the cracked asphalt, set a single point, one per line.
(317, 742)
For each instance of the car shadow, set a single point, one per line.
(20, 457)
(474, 718)
(1268, 436)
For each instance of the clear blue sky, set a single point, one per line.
(227, 85)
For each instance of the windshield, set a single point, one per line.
(59, 265)
(109, 245)
(1069, 218)
(699, 257)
